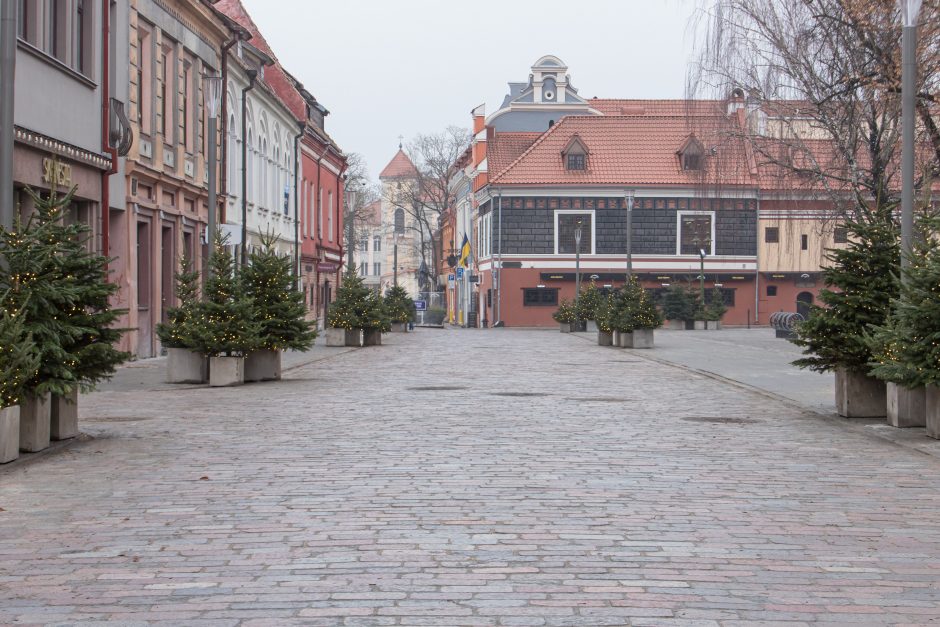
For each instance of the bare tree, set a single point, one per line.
(356, 217)
(425, 198)
(820, 84)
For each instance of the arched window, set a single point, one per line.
(276, 176)
(249, 168)
(263, 161)
(289, 176)
(233, 156)
(399, 220)
(329, 219)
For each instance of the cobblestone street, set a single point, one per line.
(470, 478)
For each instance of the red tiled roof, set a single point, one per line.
(630, 150)
(504, 148)
(399, 167)
(672, 108)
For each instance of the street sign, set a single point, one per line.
(327, 266)
(450, 278)
(474, 278)
(459, 273)
(421, 305)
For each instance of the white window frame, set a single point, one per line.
(692, 212)
(590, 212)
(329, 216)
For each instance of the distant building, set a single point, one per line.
(404, 239)
(370, 253)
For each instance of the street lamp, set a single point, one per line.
(909, 12)
(577, 262)
(212, 93)
(628, 196)
(351, 195)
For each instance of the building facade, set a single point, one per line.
(404, 238)
(369, 255)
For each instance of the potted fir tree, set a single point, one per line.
(184, 364)
(375, 320)
(345, 312)
(19, 360)
(566, 315)
(400, 308)
(860, 287)
(59, 287)
(588, 302)
(678, 309)
(904, 351)
(635, 316)
(227, 330)
(715, 309)
(603, 314)
(277, 308)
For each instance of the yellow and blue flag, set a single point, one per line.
(464, 251)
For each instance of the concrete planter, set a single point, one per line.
(226, 371)
(63, 416)
(860, 396)
(699, 325)
(675, 325)
(713, 325)
(9, 434)
(263, 365)
(591, 326)
(186, 366)
(605, 338)
(642, 338)
(932, 397)
(335, 337)
(34, 424)
(615, 339)
(372, 337)
(626, 339)
(399, 327)
(906, 406)
(564, 327)
(354, 337)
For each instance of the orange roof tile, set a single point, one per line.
(630, 150)
(678, 108)
(399, 167)
(504, 148)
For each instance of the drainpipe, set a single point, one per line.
(252, 75)
(297, 137)
(106, 131)
(224, 160)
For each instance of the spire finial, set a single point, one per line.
(401, 138)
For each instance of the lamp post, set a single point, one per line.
(351, 196)
(7, 71)
(628, 196)
(212, 93)
(701, 276)
(909, 12)
(577, 263)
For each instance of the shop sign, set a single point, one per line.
(55, 173)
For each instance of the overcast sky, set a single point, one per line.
(386, 68)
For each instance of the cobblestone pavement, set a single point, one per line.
(470, 478)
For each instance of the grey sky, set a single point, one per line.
(386, 68)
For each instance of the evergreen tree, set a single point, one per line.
(60, 288)
(588, 301)
(374, 315)
(860, 285)
(677, 305)
(604, 313)
(351, 302)
(226, 325)
(279, 307)
(716, 307)
(906, 348)
(178, 331)
(19, 359)
(398, 305)
(566, 313)
(633, 308)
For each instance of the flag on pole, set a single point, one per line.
(464, 251)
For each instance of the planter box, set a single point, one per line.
(34, 424)
(372, 337)
(675, 325)
(399, 327)
(860, 396)
(932, 405)
(335, 337)
(713, 325)
(354, 337)
(226, 371)
(642, 338)
(615, 339)
(186, 366)
(565, 327)
(906, 406)
(264, 365)
(591, 326)
(9, 433)
(63, 416)
(626, 339)
(699, 325)
(605, 338)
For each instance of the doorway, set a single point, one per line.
(144, 318)
(804, 302)
(167, 267)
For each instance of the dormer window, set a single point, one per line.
(575, 155)
(691, 154)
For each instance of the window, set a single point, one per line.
(187, 100)
(771, 290)
(772, 234)
(377, 243)
(78, 38)
(377, 268)
(576, 162)
(840, 235)
(320, 216)
(399, 220)
(691, 161)
(167, 99)
(364, 268)
(804, 242)
(566, 225)
(329, 216)
(696, 233)
(364, 246)
(540, 297)
(144, 84)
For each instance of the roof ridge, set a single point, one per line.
(535, 144)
